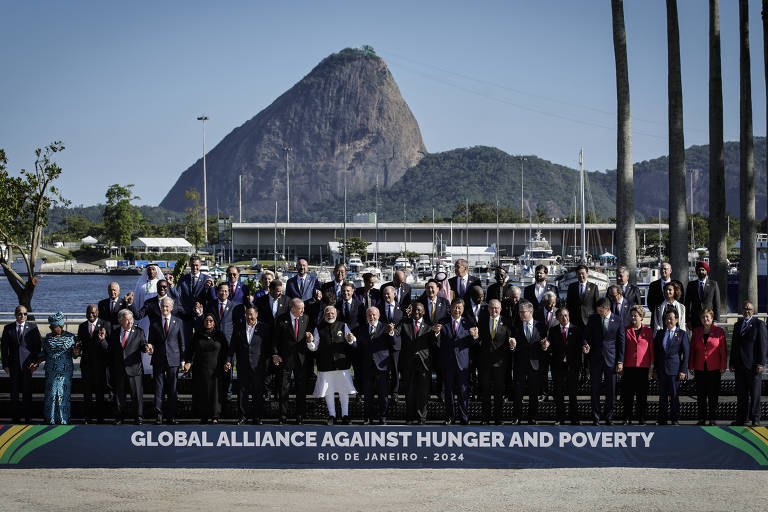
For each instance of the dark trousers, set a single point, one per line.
(669, 396)
(376, 382)
(456, 381)
(136, 388)
(94, 384)
(165, 384)
(748, 384)
(21, 383)
(493, 378)
(634, 385)
(566, 382)
(598, 372)
(531, 378)
(251, 383)
(300, 389)
(395, 377)
(707, 391)
(543, 376)
(417, 393)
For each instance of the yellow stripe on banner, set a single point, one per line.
(761, 433)
(7, 439)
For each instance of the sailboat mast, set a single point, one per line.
(583, 228)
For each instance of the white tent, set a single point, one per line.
(89, 240)
(160, 245)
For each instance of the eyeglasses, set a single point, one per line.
(745, 309)
(21, 313)
(162, 286)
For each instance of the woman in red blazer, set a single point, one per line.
(638, 358)
(708, 362)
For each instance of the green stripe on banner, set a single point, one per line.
(753, 438)
(40, 440)
(16, 443)
(737, 442)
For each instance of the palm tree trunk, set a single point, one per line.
(717, 230)
(626, 251)
(748, 256)
(678, 229)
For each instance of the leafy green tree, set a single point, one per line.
(193, 220)
(120, 216)
(354, 244)
(24, 204)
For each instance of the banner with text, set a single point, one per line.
(222, 446)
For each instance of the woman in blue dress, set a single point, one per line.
(58, 350)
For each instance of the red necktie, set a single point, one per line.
(455, 326)
(565, 340)
(90, 329)
(221, 311)
(296, 328)
(125, 338)
(416, 327)
(166, 327)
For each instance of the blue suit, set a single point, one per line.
(166, 358)
(189, 293)
(669, 362)
(251, 359)
(375, 363)
(454, 345)
(307, 293)
(606, 350)
(238, 294)
(748, 351)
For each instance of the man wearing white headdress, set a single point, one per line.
(146, 288)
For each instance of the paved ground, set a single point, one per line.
(384, 490)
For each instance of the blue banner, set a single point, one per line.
(223, 446)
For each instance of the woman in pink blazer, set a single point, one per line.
(638, 358)
(708, 362)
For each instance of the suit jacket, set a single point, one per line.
(470, 314)
(581, 307)
(417, 347)
(356, 314)
(93, 351)
(565, 353)
(310, 285)
(529, 294)
(748, 350)
(264, 307)
(528, 354)
(397, 315)
(234, 314)
(454, 345)
(494, 350)
(403, 297)
(376, 351)
(151, 309)
(189, 293)
(238, 293)
(708, 348)
(329, 288)
(631, 293)
(504, 295)
(251, 358)
(674, 359)
(605, 346)
(695, 304)
(442, 309)
(18, 353)
(623, 312)
(127, 360)
(108, 315)
(168, 349)
(291, 349)
(471, 281)
(655, 295)
(376, 298)
(540, 317)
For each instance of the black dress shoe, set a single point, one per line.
(139, 420)
(159, 420)
(299, 420)
(515, 421)
(117, 422)
(557, 423)
(281, 421)
(345, 420)
(448, 422)
(16, 421)
(661, 422)
(394, 398)
(641, 422)
(675, 422)
(172, 421)
(625, 422)
(99, 421)
(86, 421)
(28, 421)
(257, 421)
(382, 421)
(465, 422)
(331, 420)
(241, 421)
(422, 422)
(485, 422)
(367, 421)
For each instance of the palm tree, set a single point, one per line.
(717, 230)
(748, 253)
(625, 200)
(678, 229)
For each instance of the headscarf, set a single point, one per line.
(56, 319)
(445, 286)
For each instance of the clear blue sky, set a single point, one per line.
(120, 83)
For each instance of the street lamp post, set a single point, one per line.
(204, 118)
(522, 196)
(286, 150)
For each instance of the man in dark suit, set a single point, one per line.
(333, 288)
(630, 292)
(21, 345)
(604, 344)
(367, 295)
(476, 305)
(151, 307)
(303, 286)
(462, 282)
(655, 294)
(530, 346)
(670, 356)
(250, 347)
(582, 296)
(391, 314)
(93, 363)
(493, 359)
(192, 288)
(565, 360)
(535, 291)
(417, 363)
(402, 289)
(545, 317)
(455, 336)
(700, 295)
(125, 345)
(619, 305)
(377, 344)
(167, 346)
(289, 354)
(747, 361)
(270, 306)
(349, 308)
(238, 294)
(436, 308)
(502, 290)
(109, 307)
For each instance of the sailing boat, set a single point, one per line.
(594, 276)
